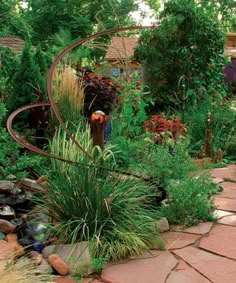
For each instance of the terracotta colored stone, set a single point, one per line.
(18, 249)
(200, 229)
(184, 273)
(11, 238)
(226, 173)
(6, 250)
(6, 227)
(76, 256)
(221, 240)
(216, 268)
(228, 220)
(150, 270)
(225, 204)
(229, 190)
(221, 213)
(66, 279)
(177, 240)
(59, 264)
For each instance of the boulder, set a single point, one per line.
(6, 227)
(162, 225)
(6, 187)
(75, 255)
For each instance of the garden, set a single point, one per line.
(95, 155)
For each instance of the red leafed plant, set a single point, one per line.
(158, 125)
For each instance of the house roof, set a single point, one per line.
(121, 48)
(13, 42)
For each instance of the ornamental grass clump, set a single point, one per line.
(86, 202)
(110, 213)
(22, 271)
(68, 92)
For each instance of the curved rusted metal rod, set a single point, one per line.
(60, 56)
(21, 140)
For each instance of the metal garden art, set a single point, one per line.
(98, 118)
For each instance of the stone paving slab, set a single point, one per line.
(226, 173)
(225, 203)
(229, 190)
(214, 267)
(184, 273)
(177, 240)
(221, 240)
(228, 220)
(150, 270)
(218, 214)
(200, 229)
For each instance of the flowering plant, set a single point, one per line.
(159, 126)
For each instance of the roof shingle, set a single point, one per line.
(121, 47)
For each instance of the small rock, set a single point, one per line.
(75, 255)
(59, 264)
(37, 257)
(66, 279)
(44, 268)
(11, 238)
(6, 227)
(162, 225)
(11, 177)
(22, 216)
(6, 186)
(31, 183)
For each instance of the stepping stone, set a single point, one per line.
(229, 190)
(200, 229)
(228, 220)
(178, 240)
(225, 203)
(221, 213)
(218, 180)
(216, 268)
(151, 270)
(228, 172)
(186, 274)
(221, 240)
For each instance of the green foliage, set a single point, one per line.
(167, 162)
(187, 45)
(12, 160)
(189, 201)
(42, 60)
(9, 64)
(130, 117)
(26, 81)
(109, 212)
(12, 22)
(222, 11)
(222, 126)
(80, 17)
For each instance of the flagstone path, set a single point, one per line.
(201, 254)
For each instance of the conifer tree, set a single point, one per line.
(26, 82)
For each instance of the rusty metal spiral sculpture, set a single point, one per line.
(22, 141)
